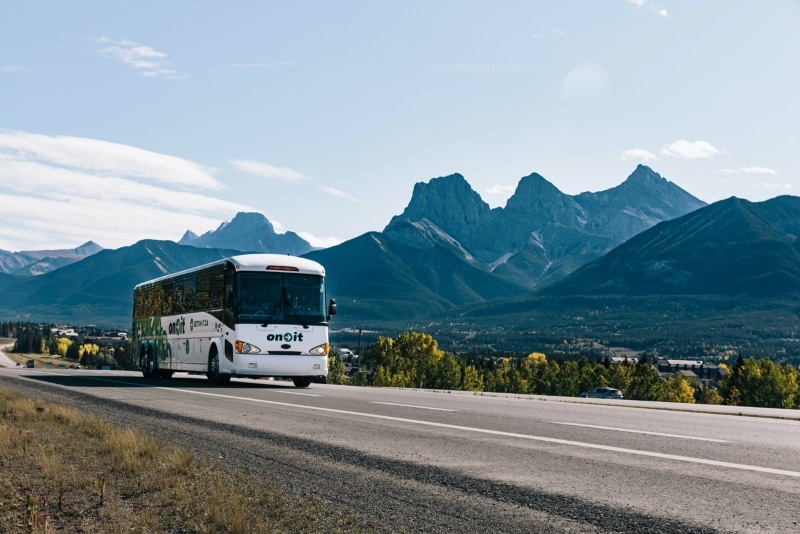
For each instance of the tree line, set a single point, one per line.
(35, 338)
(414, 360)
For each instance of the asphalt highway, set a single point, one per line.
(433, 461)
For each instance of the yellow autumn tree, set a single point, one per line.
(88, 348)
(537, 358)
(678, 389)
(62, 346)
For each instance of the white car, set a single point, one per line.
(602, 392)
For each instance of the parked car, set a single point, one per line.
(602, 393)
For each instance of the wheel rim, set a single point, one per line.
(213, 366)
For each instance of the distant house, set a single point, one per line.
(698, 371)
(64, 332)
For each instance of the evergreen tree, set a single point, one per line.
(73, 352)
(646, 383)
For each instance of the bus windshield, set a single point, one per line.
(280, 298)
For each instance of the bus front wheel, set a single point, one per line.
(213, 373)
(301, 381)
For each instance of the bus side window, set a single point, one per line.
(166, 303)
(230, 300)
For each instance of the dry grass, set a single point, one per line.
(63, 471)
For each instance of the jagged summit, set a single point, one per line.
(644, 175)
(188, 237)
(249, 232)
(534, 190)
(450, 193)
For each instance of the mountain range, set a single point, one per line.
(732, 247)
(546, 260)
(449, 248)
(36, 262)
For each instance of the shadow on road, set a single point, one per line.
(124, 381)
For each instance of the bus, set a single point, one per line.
(250, 316)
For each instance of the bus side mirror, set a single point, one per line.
(332, 308)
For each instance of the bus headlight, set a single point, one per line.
(246, 348)
(320, 350)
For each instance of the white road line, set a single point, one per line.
(413, 406)
(651, 454)
(642, 432)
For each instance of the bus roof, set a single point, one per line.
(253, 263)
(260, 262)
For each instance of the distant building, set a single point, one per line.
(698, 371)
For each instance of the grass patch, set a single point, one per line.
(64, 471)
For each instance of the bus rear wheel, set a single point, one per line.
(301, 381)
(149, 366)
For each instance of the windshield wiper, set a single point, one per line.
(275, 310)
(290, 310)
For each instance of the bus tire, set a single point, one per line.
(301, 381)
(213, 373)
(149, 367)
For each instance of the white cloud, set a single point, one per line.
(12, 69)
(586, 78)
(638, 154)
(321, 242)
(499, 190)
(105, 159)
(690, 149)
(660, 11)
(269, 171)
(59, 192)
(338, 194)
(147, 60)
(750, 170)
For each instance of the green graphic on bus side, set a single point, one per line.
(150, 329)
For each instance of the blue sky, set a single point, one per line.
(121, 121)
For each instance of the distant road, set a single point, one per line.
(5, 361)
(429, 461)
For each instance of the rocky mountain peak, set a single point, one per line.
(188, 238)
(644, 175)
(450, 205)
(532, 191)
(451, 193)
(249, 232)
(244, 220)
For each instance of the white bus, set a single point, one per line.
(252, 316)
